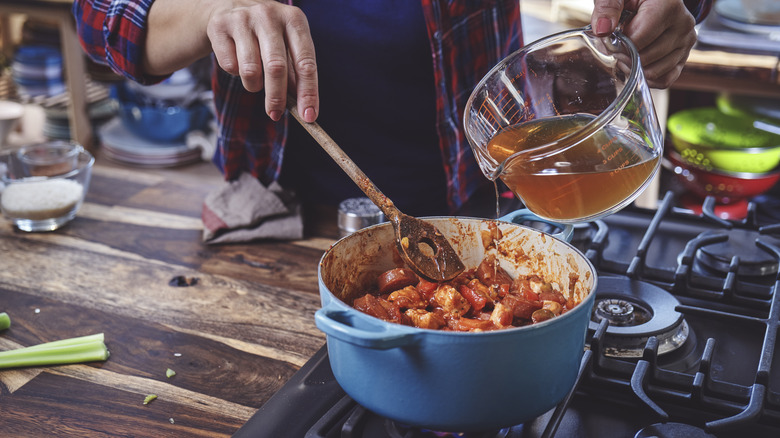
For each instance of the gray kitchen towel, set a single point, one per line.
(244, 210)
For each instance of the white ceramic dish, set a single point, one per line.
(10, 114)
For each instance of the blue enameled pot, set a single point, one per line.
(454, 381)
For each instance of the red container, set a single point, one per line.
(726, 187)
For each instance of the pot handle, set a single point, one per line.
(518, 216)
(343, 324)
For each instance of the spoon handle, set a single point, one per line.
(422, 246)
(342, 159)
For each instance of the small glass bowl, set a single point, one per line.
(42, 186)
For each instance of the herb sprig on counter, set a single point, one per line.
(5, 321)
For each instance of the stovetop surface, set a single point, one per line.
(723, 380)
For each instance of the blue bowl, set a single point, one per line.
(159, 121)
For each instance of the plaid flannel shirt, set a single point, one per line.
(467, 38)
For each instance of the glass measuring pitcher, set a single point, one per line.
(568, 124)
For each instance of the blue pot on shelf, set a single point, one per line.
(158, 120)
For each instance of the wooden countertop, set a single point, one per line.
(233, 339)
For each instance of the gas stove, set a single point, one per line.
(681, 341)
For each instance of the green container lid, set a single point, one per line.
(709, 127)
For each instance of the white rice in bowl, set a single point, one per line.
(40, 200)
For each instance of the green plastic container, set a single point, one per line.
(709, 138)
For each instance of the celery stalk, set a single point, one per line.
(5, 321)
(67, 351)
(97, 338)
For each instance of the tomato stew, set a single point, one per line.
(480, 299)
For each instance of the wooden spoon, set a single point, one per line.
(423, 247)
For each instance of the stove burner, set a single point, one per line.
(619, 313)
(672, 430)
(397, 430)
(636, 311)
(753, 262)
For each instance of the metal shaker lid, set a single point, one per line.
(357, 213)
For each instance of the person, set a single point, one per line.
(388, 80)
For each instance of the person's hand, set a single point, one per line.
(662, 30)
(267, 44)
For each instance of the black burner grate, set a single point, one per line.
(746, 309)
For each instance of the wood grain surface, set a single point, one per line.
(233, 339)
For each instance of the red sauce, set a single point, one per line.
(481, 299)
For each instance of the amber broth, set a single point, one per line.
(582, 180)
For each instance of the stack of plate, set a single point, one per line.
(57, 122)
(121, 145)
(100, 108)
